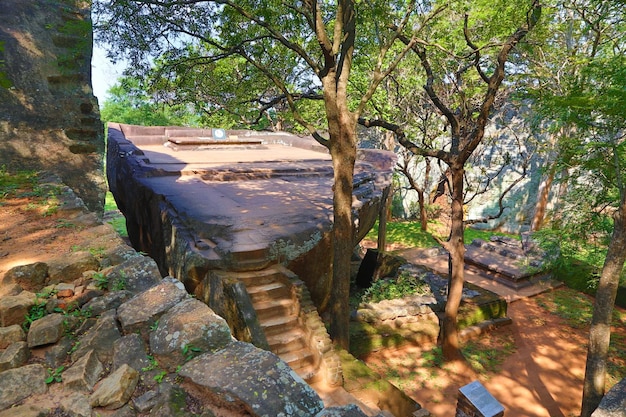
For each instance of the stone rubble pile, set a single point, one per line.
(105, 335)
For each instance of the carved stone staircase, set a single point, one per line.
(291, 324)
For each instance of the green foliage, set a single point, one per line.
(189, 352)
(101, 281)
(37, 311)
(573, 258)
(488, 359)
(54, 375)
(411, 235)
(129, 101)
(117, 221)
(389, 289)
(12, 182)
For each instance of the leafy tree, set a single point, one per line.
(298, 48)
(578, 91)
(462, 85)
(128, 102)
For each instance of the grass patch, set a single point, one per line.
(118, 221)
(410, 234)
(11, 183)
(487, 355)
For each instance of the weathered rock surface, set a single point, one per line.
(84, 373)
(186, 329)
(11, 334)
(49, 118)
(19, 383)
(46, 330)
(31, 277)
(14, 308)
(614, 402)
(87, 333)
(100, 338)
(64, 271)
(243, 377)
(115, 390)
(14, 356)
(144, 309)
(135, 274)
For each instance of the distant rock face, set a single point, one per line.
(49, 117)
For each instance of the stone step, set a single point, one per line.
(287, 341)
(278, 325)
(299, 359)
(265, 276)
(267, 292)
(276, 307)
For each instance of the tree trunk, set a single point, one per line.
(422, 205)
(343, 152)
(456, 250)
(382, 220)
(542, 201)
(600, 331)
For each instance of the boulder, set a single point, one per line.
(243, 377)
(57, 354)
(130, 350)
(27, 410)
(84, 373)
(187, 329)
(67, 269)
(136, 274)
(350, 410)
(112, 300)
(115, 390)
(31, 277)
(14, 308)
(14, 356)
(11, 334)
(19, 383)
(76, 405)
(140, 312)
(46, 330)
(100, 338)
(613, 403)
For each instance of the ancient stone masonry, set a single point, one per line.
(49, 118)
(245, 223)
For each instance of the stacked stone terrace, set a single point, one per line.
(244, 222)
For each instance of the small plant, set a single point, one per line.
(152, 366)
(74, 348)
(159, 377)
(54, 375)
(37, 311)
(62, 223)
(120, 283)
(101, 281)
(189, 352)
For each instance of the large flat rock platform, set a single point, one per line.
(237, 203)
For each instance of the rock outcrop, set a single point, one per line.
(49, 117)
(151, 351)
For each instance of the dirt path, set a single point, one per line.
(542, 377)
